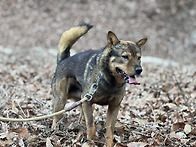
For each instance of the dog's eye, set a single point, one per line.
(125, 57)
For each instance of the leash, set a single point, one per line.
(87, 97)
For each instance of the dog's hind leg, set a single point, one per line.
(60, 92)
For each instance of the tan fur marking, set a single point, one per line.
(138, 55)
(69, 37)
(126, 54)
(112, 59)
(126, 42)
(87, 67)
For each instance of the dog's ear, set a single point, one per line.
(112, 39)
(141, 42)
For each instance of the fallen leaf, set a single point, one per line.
(3, 135)
(89, 144)
(31, 87)
(177, 118)
(10, 136)
(178, 135)
(173, 135)
(117, 138)
(24, 133)
(193, 94)
(48, 142)
(193, 131)
(181, 135)
(184, 141)
(187, 128)
(119, 145)
(174, 90)
(193, 143)
(170, 105)
(14, 109)
(21, 142)
(120, 127)
(178, 125)
(137, 144)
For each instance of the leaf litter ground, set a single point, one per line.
(159, 112)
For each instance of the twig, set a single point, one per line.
(152, 111)
(180, 88)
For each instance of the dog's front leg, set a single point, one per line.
(110, 124)
(90, 125)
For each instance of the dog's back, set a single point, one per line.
(75, 66)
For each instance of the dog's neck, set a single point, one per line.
(109, 77)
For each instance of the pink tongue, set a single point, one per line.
(133, 81)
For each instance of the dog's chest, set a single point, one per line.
(104, 97)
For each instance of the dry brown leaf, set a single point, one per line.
(178, 100)
(193, 131)
(178, 125)
(177, 118)
(120, 127)
(119, 145)
(10, 136)
(24, 133)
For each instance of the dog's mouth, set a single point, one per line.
(127, 79)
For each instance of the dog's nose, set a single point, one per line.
(138, 70)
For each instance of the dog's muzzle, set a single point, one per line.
(127, 78)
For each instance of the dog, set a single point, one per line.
(110, 67)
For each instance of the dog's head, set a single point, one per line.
(124, 58)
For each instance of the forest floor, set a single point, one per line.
(159, 112)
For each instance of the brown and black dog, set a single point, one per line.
(111, 68)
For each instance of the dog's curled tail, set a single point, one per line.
(68, 38)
